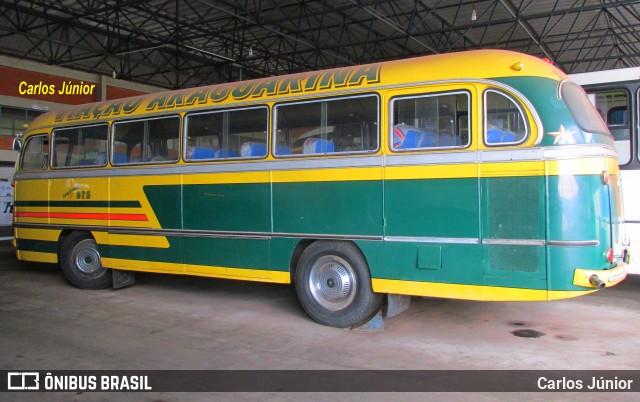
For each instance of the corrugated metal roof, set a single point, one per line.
(184, 43)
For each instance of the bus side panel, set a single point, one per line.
(513, 226)
(241, 209)
(347, 208)
(420, 262)
(211, 225)
(132, 210)
(432, 231)
(31, 205)
(579, 211)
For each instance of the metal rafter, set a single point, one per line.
(182, 43)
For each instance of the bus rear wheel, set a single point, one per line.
(81, 264)
(333, 284)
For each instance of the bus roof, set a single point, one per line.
(476, 64)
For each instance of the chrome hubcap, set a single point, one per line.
(86, 257)
(332, 282)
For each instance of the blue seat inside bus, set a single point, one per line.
(282, 150)
(449, 141)
(202, 153)
(407, 137)
(120, 158)
(317, 146)
(496, 135)
(253, 149)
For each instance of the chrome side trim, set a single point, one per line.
(546, 153)
(347, 161)
(326, 236)
(214, 167)
(512, 155)
(219, 234)
(189, 233)
(443, 240)
(574, 243)
(514, 242)
(578, 151)
(433, 158)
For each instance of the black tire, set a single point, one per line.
(81, 264)
(333, 284)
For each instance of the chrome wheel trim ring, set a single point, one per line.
(86, 257)
(332, 282)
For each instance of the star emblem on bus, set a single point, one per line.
(561, 134)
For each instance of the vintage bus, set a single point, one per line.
(615, 94)
(482, 175)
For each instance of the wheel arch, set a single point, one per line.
(65, 233)
(332, 279)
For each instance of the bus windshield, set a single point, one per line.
(583, 112)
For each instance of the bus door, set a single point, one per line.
(513, 189)
(431, 195)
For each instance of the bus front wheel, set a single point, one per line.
(333, 284)
(80, 262)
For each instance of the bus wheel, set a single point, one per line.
(334, 285)
(80, 262)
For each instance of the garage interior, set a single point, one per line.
(192, 323)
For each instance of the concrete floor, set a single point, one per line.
(179, 322)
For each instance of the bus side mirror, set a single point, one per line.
(17, 144)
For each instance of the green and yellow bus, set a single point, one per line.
(482, 175)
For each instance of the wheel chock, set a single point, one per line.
(122, 279)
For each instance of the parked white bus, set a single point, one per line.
(7, 169)
(615, 94)
(6, 211)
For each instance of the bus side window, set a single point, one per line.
(146, 141)
(327, 126)
(428, 121)
(84, 146)
(227, 134)
(505, 123)
(35, 155)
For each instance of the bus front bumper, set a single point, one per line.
(600, 278)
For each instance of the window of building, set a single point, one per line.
(431, 121)
(12, 119)
(343, 125)
(613, 106)
(237, 133)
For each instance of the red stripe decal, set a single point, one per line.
(70, 215)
